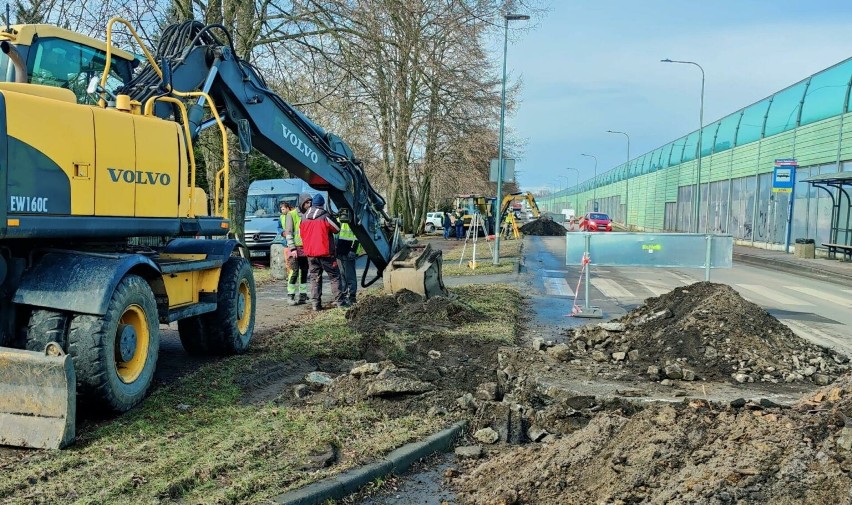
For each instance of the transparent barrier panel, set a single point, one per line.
(682, 250)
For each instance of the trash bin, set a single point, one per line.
(804, 248)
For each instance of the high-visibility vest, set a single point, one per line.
(346, 233)
(297, 219)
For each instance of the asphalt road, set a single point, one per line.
(814, 309)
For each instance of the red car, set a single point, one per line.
(595, 221)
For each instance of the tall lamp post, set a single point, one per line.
(507, 17)
(626, 179)
(594, 183)
(576, 197)
(698, 156)
(567, 181)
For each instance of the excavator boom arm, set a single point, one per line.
(194, 59)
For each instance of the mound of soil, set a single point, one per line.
(408, 312)
(684, 453)
(709, 329)
(543, 227)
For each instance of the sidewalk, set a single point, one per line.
(836, 271)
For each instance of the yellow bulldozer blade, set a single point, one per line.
(37, 398)
(417, 269)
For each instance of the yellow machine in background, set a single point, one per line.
(472, 204)
(517, 197)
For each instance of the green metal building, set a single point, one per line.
(810, 121)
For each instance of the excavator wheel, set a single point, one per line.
(193, 336)
(47, 326)
(227, 330)
(232, 324)
(115, 355)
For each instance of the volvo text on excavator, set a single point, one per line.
(104, 234)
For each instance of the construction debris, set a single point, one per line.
(709, 331)
(693, 452)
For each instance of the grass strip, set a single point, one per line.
(196, 441)
(508, 249)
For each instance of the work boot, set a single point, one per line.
(291, 300)
(316, 307)
(303, 298)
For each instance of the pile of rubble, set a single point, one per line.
(543, 227)
(707, 331)
(693, 452)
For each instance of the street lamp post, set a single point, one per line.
(507, 17)
(594, 183)
(700, 128)
(567, 181)
(626, 179)
(576, 196)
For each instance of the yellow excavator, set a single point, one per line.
(104, 234)
(517, 197)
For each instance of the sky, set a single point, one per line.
(589, 66)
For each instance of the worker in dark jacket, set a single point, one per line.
(317, 229)
(347, 255)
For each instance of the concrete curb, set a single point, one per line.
(350, 481)
(795, 268)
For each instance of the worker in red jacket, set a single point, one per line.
(317, 230)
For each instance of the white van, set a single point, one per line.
(434, 221)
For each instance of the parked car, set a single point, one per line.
(595, 221)
(434, 221)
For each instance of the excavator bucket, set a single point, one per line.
(417, 269)
(37, 398)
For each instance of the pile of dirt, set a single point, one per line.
(543, 227)
(708, 331)
(408, 312)
(692, 452)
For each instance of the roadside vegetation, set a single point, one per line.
(510, 252)
(198, 440)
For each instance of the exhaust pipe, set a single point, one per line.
(13, 54)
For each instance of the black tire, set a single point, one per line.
(193, 335)
(47, 326)
(227, 330)
(231, 326)
(104, 376)
(430, 227)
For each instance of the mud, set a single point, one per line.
(543, 227)
(708, 329)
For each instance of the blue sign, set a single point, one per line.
(784, 175)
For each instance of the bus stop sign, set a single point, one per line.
(784, 175)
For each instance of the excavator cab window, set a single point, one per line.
(66, 64)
